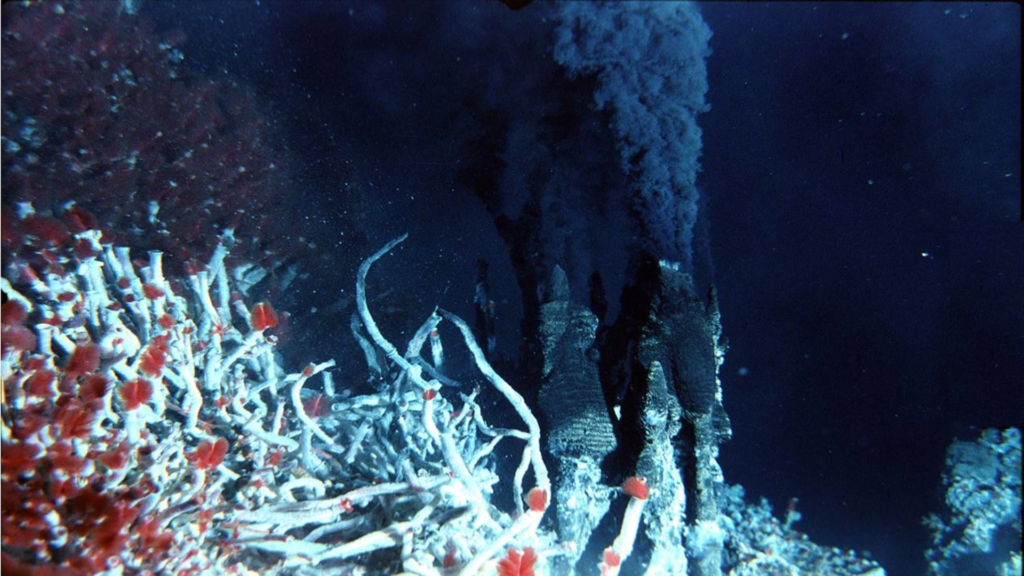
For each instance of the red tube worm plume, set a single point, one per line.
(18, 458)
(610, 561)
(135, 393)
(13, 313)
(154, 357)
(152, 361)
(451, 555)
(83, 249)
(636, 486)
(151, 291)
(41, 384)
(209, 454)
(205, 516)
(429, 394)
(263, 317)
(78, 220)
(49, 231)
(18, 338)
(274, 459)
(110, 536)
(115, 459)
(537, 499)
(611, 557)
(94, 387)
(75, 419)
(28, 423)
(62, 457)
(517, 564)
(85, 358)
(153, 541)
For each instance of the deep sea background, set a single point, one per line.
(865, 357)
(862, 177)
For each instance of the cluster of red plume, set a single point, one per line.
(103, 125)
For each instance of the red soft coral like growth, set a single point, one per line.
(517, 564)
